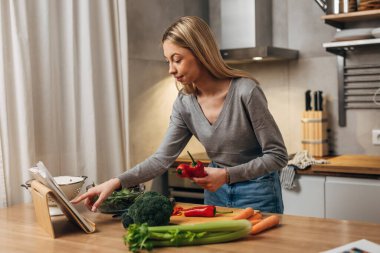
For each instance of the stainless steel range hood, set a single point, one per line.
(243, 29)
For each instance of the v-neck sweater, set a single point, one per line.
(244, 139)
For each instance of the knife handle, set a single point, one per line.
(318, 100)
(308, 100)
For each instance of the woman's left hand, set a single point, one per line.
(215, 178)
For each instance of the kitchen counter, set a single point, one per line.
(347, 165)
(19, 232)
(362, 166)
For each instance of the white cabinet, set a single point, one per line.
(308, 198)
(353, 199)
(334, 197)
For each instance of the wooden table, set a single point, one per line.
(19, 232)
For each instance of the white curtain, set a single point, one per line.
(63, 90)
(3, 195)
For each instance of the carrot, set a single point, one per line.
(254, 222)
(244, 214)
(265, 224)
(256, 216)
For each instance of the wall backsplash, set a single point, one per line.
(297, 26)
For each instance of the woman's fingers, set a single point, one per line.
(200, 180)
(87, 199)
(88, 204)
(203, 182)
(213, 181)
(98, 202)
(80, 198)
(102, 191)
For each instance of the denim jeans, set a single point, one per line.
(263, 193)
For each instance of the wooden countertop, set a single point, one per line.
(19, 232)
(355, 164)
(343, 165)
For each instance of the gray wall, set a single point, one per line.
(297, 25)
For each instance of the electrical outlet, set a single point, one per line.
(376, 136)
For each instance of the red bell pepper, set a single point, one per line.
(203, 211)
(183, 170)
(198, 170)
(195, 169)
(177, 210)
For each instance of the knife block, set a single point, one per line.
(314, 133)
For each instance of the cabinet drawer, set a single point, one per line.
(353, 199)
(307, 199)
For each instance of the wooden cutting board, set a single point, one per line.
(181, 219)
(355, 164)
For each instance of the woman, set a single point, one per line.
(227, 112)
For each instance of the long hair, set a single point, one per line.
(193, 33)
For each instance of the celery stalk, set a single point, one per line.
(140, 237)
(220, 238)
(225, 225)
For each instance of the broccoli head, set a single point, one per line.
(151, 208)
(126, 220)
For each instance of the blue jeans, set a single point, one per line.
(263, 193)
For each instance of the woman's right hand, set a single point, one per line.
(102, 191)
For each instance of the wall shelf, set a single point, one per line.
(340, 20)
(356, 84)
(341, 47)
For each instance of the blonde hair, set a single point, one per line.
(194, 34)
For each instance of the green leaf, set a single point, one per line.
(137, 237)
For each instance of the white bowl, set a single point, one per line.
(71, 186)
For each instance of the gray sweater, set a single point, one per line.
(245, 138)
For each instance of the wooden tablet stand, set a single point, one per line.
(40, 200)
(40, 194)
